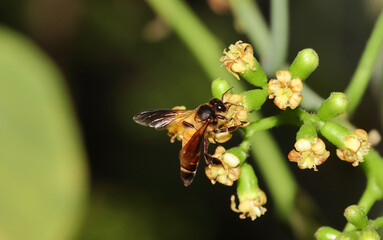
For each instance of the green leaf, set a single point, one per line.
(42, 162)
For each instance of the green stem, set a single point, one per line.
(372, 167)
(361, 77)
(271, 162)
(251, 20)
(279, 180)
(261, 125)
(279, 36)
(308, 118)
(204, 46)
(377, 223)
(368, 198)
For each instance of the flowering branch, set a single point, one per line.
(286, 91)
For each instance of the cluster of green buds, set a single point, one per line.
(286, 91)
(363, 228)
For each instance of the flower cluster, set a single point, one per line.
(227, 172)
(309, 154)
(285, 91)
(251, 207)
(239, 56)
(355, 147)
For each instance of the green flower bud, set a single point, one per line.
(333, 106)
(369, 234)
(304, 64)
(219, 87)
(356, 216)
(335, 133)
(326, 233)
(348, 236)
(256, 77)
(307, 131)
(251, 198)
(247, 183)
(254, 99)
(242, 155)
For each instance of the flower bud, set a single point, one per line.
(348, 236)
(356, 216)
(369, 234)
(285, 91)
(335, 133)
(304, 64)
(219, 87)
(254, 99)
(307, 131)
(326, 233)
(333, 106)
(256, 77)
(251, 197)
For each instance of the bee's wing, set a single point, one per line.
(189, 155)
(160, 119)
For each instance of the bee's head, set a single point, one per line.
(218, 105)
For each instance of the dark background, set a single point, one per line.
(115, 67)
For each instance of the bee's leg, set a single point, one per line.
(228, 129)
(188, 125)
(222, 117)
(232, 128)
(209, 159)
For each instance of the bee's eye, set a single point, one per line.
(218, 105)
(221, 107)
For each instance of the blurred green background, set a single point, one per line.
(74, 165)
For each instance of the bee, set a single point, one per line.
(196, 127)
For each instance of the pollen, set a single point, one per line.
(285, 91)
(309, 154)
(355, 147)
(238, 58)
(227, 172)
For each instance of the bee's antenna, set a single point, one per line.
(226, 92)
(234, 104)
